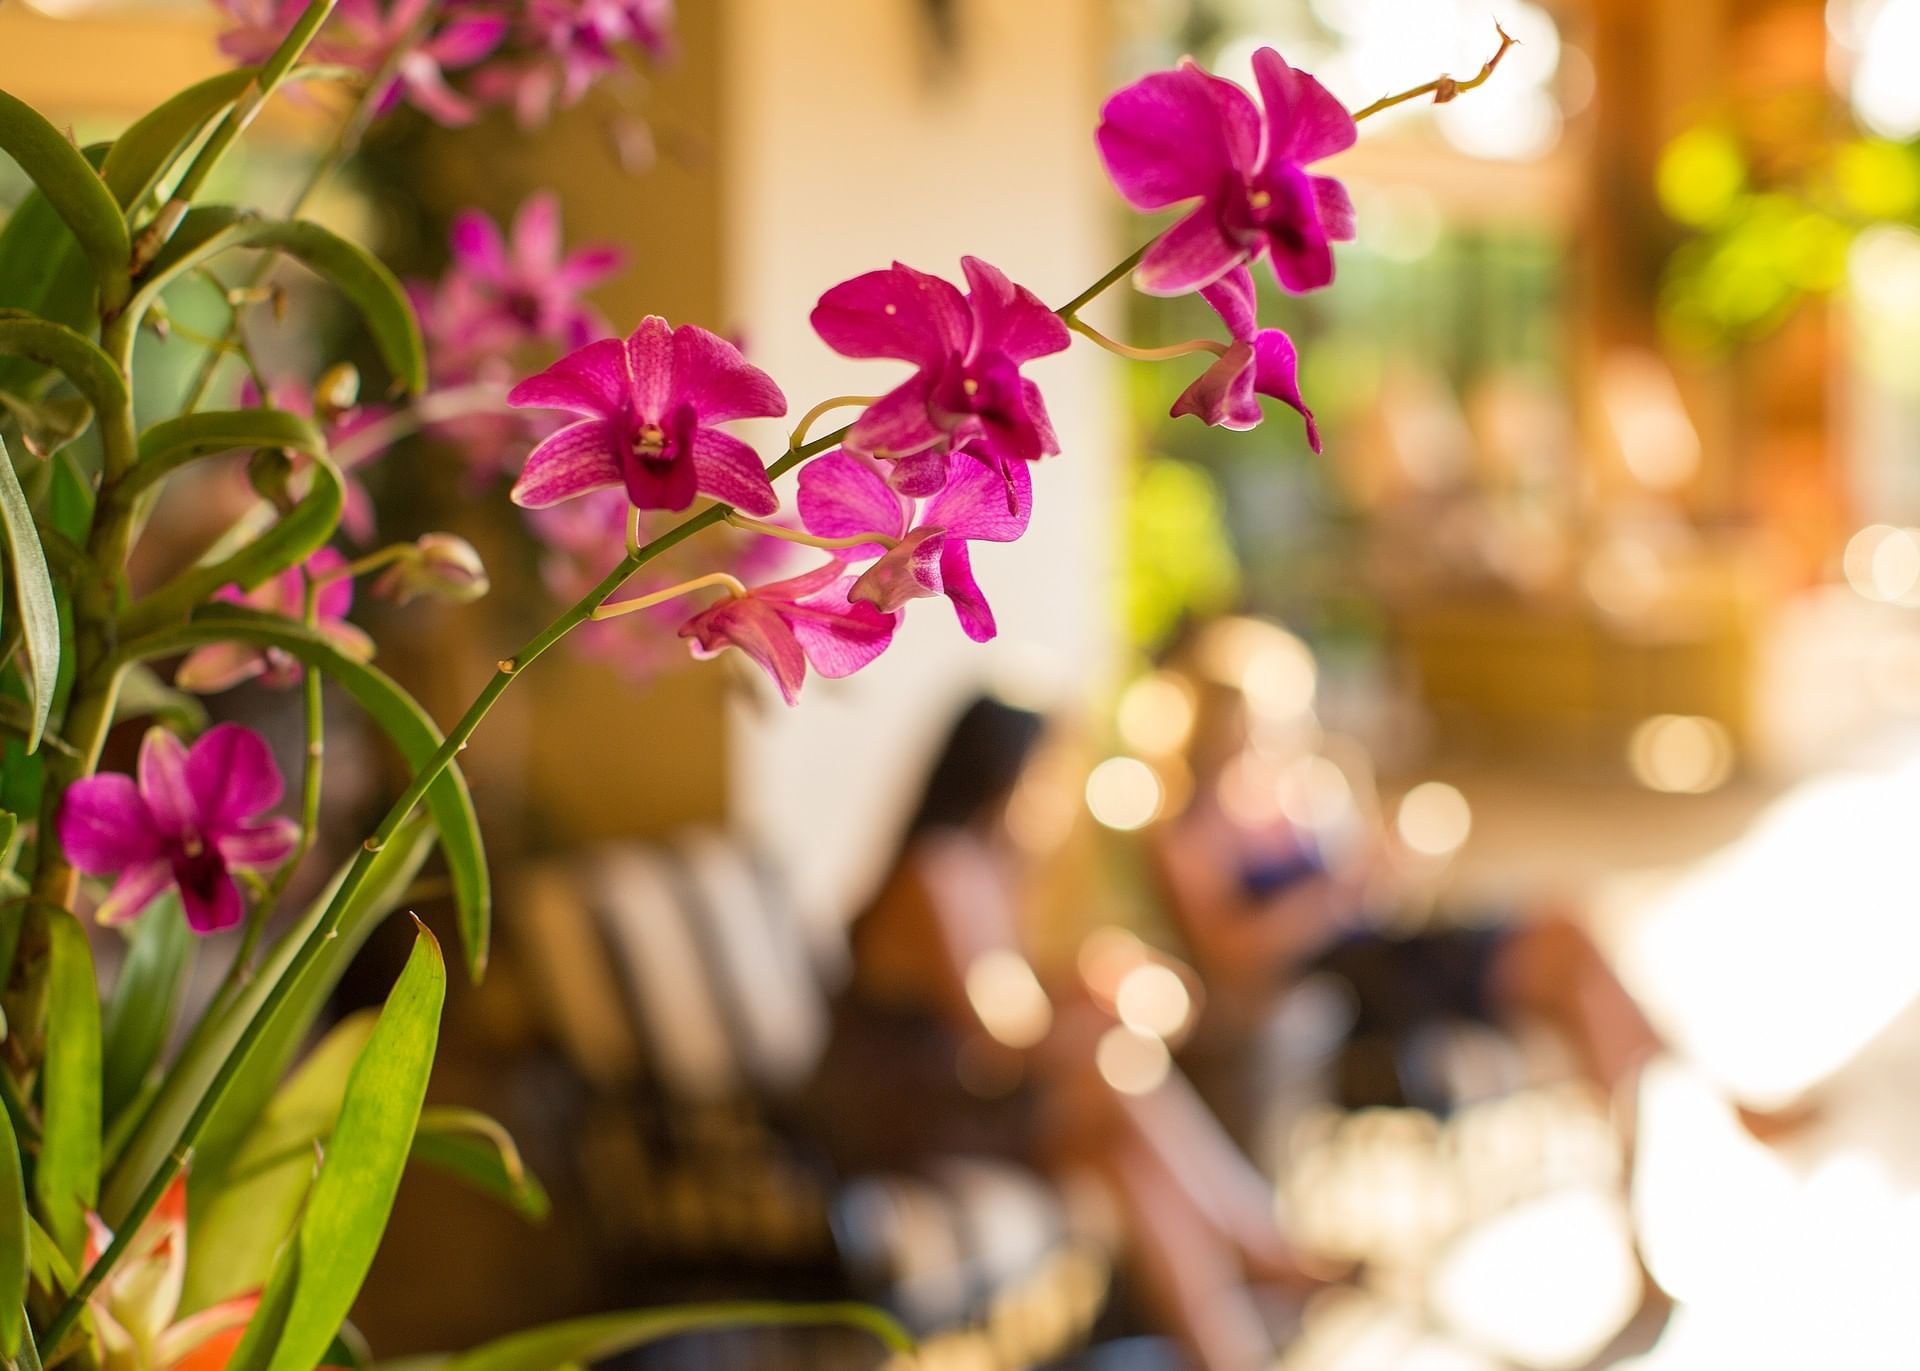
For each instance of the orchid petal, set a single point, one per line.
(898, 422)
(956, 573)
(1009, 319)
(1304, 121)
(164, 786)
(710, 374)
(218, 666)
(757, 630)
(1234, 299)
(1240, 124)
(260, 845)
(1193, 253)
(574, 461)
(899, 313)
(1276, 373)
(591, 380)
(1334, 207)
(920, 475)
(105, 825)
(1163, 141)
(650, 367)
(137, 888)
(536, 234)
(477, 246)
(231, 776)
(1302, 258)
(731, 472)
(589, 267)
(975, 503)
(842, 496)
(1222, 395)
(910, 571)
(837, 636)
(214, 905)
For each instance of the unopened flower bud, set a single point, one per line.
(270, 470)
(337, 390)
(443, 565)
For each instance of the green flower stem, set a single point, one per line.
(456, 741)
(1099, 288)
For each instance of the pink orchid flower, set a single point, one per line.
(189, 822)
(571, 45)
(362, 34)
(528, 288)
(843, 496)
(789, 625)
(222, 666)
(650, 404)
(1261, 361)
(967, 350)
(1185, 135)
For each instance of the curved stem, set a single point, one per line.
(1441, 88)
(801, 429)
(1138, 354)
(794, 535)
(633, 529)
(613, 609)
(1099, 288)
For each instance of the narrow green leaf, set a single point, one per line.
(75, 189)
(67, 1179)
(397, 714)
(172, 443)
(146, 996)
(606, 1335)
(28, 1358)
(186, 1080)
(353, 1197)
(241, 1218)
(356, 273)
(14, 1256)
(270, 1315)
(143, 695)
(142, 155)
(482, 1153)
(39, 612)
(48, 424)
(43, 272)
(78, 358)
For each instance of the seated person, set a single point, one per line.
(946, 1041)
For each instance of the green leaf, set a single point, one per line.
(482, 1153)
(14, 1255)
(43, 271)
(143, 695)
(75, 190)
(49, 424)
(81, 360)
(67, 1179)
(142, 155)
(38, 610)
(347, 1213)
(356, 273)
(146, 996)
(270, 1315)
(172, 443)
(240, 1221)
(606, 1335)
(187, 1079)
(447, 800)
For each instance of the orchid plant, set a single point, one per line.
(131, 1235)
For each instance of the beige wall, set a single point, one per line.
(850, 141)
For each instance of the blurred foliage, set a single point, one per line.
(1769, 231)
(1180, 559)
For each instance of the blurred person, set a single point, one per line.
(946, 1041)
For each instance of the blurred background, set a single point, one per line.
(1436, 903)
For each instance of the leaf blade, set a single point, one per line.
(146, 995)
(38, 610)
(14, 1255)
(75, 190)
(604, 1335)
(67, 1180)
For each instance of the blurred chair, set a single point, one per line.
(678, 983)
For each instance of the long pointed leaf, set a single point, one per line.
(353, 1197)
(477, 1149)
(605, 1335)
(140, 157)
(75, 189)
(403, 721)
(14, 1257)
(146, 995)
(67, 1179)
(78, 358)
(356, 273)
(33, 597)
(172, 443)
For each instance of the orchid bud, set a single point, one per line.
(443, 565)
(269, 470)
(337, 390)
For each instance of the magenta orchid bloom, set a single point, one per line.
(363, 34)
(190, 821)
(968, 351)
(573, 43)
(843, 496)
(789, 625)
(528, 288)
(221, 666)
(1261, 361)
(1185, 135)
(651, 403)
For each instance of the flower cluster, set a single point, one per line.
(532, 58)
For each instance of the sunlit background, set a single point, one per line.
(1605, 592)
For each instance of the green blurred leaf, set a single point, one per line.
(172, 443)
(143, 695)
(66, 1180)
(606, 1335)
(352, 1198)
(187, 1079)
(368, 285)
(75, 190)
(14, 1255)
(482, 1153)
(82, 362)
(142, 155)
(43, 272)
(49, 424)
(411, 730)
(146, 996)
(240, 1222)
(38, 611)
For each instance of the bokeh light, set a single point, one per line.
(1680, 754)
(1124, 793)
(1434, 819)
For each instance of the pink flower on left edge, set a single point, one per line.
(190, 821)
(967, 389)
(525, 286)
(1185, 135)
(789, 625)
(221, 666)
(843, 496)
(1261, 361)
(650, 403)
